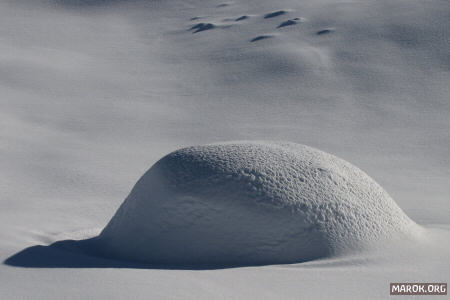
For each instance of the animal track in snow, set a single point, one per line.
(261, 37)
(288, 23)
(325, 31)
(202, 27)
(275, 14)
(242, 18)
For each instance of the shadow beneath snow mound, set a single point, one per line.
(62, 254)
(88, 254)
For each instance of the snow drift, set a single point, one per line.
(251, 203)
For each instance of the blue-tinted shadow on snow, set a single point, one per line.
(87, 254)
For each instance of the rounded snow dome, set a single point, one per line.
(244, 203)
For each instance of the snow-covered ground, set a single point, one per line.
(93, 92)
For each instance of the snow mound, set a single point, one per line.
(246, 203)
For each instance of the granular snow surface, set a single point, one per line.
(252, 203)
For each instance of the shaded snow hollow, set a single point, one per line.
(251, 203)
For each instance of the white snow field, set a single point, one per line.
(95, 92)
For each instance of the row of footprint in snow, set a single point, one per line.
(208, 26)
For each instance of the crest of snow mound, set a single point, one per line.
(251, 203)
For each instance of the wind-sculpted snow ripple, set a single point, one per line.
(245, 203)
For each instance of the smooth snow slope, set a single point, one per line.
(246, 203)
(92, 93)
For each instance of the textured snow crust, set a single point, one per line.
(251, 203)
